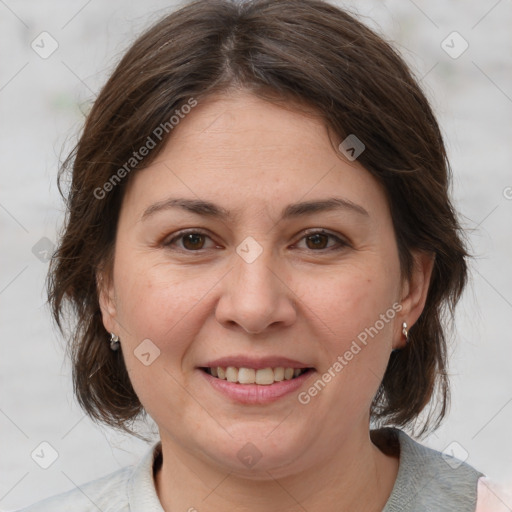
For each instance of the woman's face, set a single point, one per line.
(290, 261)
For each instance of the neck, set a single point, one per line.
(356, 477)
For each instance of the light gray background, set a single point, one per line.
(41, 105)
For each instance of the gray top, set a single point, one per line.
(430, 481)
(427, 480)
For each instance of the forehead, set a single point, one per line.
(241, 111)
(244, 152)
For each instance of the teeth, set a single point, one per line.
(231, 374)
(246, 376)
(279, 374)
(264, 376)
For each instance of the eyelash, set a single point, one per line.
(341, 244)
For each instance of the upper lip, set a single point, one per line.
(257, 363)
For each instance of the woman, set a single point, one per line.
(259, 252)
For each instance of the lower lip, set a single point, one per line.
(256, 393)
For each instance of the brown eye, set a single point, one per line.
(193, 241)
(188, 241)
(318, 241)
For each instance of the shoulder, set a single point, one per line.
(129, 488)
(439, 466)
(430, 480)
(108, 494)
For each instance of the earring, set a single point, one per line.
(405, 332)
(114, 341)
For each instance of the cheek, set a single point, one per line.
(162, 305)
(360, 310)
(159, 302)
(353, 300)
(356, 310)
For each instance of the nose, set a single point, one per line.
(256, 296)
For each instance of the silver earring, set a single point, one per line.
(114, 341)
(405, 332)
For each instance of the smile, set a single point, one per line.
(250, 386)
(262, 376)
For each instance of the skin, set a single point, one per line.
(199, 300)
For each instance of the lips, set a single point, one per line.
(256, 394)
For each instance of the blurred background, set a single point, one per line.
(54, 57)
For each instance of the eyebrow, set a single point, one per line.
(295, 210)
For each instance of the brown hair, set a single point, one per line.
(305, 52)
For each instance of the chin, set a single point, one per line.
(255, 450)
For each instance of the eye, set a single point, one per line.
(192, 240)
(317, 240)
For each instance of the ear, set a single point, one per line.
(414, 292)
(107, 300)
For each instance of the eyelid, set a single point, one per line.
(323, 231)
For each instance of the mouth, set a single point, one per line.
(260, 376)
